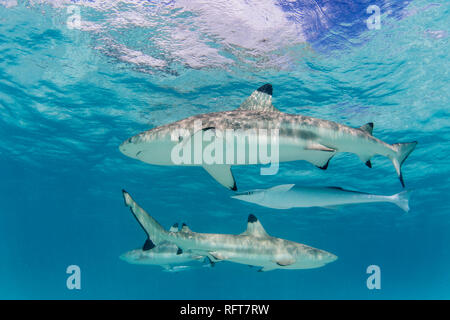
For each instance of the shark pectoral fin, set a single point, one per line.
(320, 159)
(166, 268)
(208, 262)
(319, 147)
(222, 173)
(285, 262)
(218, 255)
(368, 127)
(323, 159)
(260, 100)
(366, 159)
(266, 268)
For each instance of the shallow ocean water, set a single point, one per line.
(72, 89)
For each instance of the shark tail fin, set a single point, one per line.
(402, 152)
(401, 199)
(154, 230)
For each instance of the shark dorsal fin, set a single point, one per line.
(368, 127)
(255, 228)
(260, 100)
(174, 228)
(185, 228)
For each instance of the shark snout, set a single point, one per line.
(125, 146)
(249, 196)
(130, 255)
(130, 149)
(124, 257)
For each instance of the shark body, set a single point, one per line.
(253, 247)
(255, 122)
(166, 254)
(290, 196)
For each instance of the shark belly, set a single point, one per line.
(167, 259)
(234, 248)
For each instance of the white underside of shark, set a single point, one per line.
(254, 123)
(253, 247)
(290, 196)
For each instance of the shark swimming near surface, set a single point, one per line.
(291, 196)
(253, 247)
(167, 255)
(258, 126)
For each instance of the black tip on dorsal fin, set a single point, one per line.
(179, 251)
(175, 225)
(267, 89)
(367, 128)
(234, 187)
(252, 218)
(183, 225)
(148, 245)
(369, 164)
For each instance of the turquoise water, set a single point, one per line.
(71, 90)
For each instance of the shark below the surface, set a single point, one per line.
(258, 125)
(289, 196)
(167, 255)
(253, 247)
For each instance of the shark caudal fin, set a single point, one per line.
(402, 152)
(154, 230)
(401, 199)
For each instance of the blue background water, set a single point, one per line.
(69, 97)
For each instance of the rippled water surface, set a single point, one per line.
(79, 77)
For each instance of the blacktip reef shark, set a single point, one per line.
(299, 138)
(167, 255)
(289, 196)
(253, 247)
